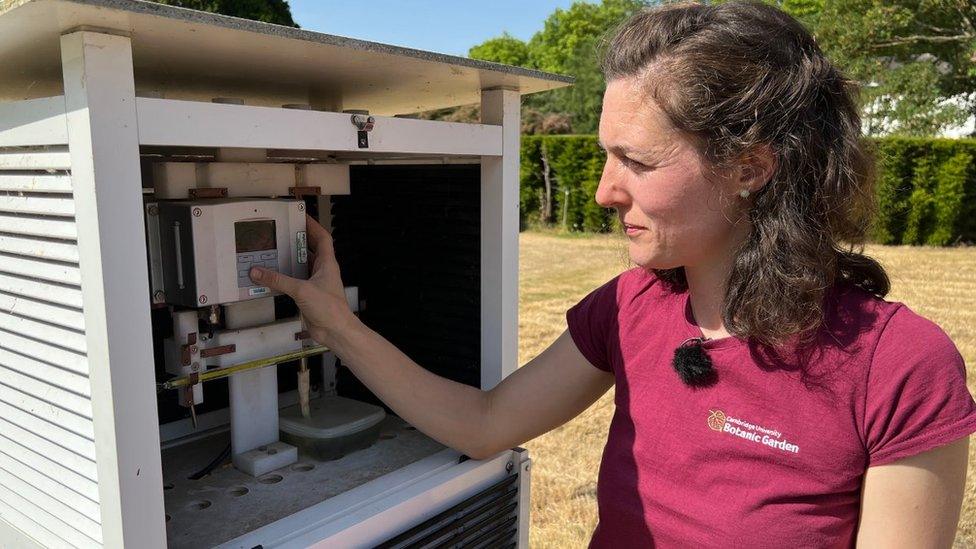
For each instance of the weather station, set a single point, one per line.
(151, 394)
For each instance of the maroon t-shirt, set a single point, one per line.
(773, 454)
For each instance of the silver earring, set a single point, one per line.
(744, 193)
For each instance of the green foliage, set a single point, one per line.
(909, 54)
(926, 191)
(505, 49)
(567, 44)
(576, 162)
(926, 188)
(267, 11)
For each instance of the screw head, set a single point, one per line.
(203, 299)
(159, 296)
(154, 210)
(194, 350)
(195, 367)
(301, 206)
(509, 466)
(197, 212)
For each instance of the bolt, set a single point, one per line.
(154, 210)
(197, 212)
(509, 466)
(195, 367)
(203, 299)
(159, 296)
(301, 206)
(194, 350)
(526, 468)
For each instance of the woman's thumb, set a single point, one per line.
(274, 280)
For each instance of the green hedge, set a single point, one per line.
(926, 187)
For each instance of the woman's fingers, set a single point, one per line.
(276, 281)
(319, 239)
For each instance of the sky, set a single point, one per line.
(443, 26)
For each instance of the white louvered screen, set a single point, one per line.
(48, 481)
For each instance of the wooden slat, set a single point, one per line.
(23, 523)
(77, 444)
(64, 273)
(19, 398)
(62, 295)
(55, 314)
(45, 249)
(83, 466)
(49, 468)
(50, 227)
(34, 204)
(63, 358)
(74, 500)
(35, 182)
(74, 527)
(27, 327)
(13, 159)
(33, 122)
(57, 377)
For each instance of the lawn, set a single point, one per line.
(556, 271)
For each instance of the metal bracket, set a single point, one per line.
(364, 124)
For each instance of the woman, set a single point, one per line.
(766, 394)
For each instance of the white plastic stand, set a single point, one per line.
(254, 401)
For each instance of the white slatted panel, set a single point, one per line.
(48, 477)
(35, 182)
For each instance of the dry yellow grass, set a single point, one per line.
(557, 271)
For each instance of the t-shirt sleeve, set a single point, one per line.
(916, 397)
(590, 323)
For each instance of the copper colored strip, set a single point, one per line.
(217, 351)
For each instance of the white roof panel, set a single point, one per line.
(186, 54)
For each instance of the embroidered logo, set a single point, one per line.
(718, 421)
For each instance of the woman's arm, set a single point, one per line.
(545, 393)
(914, 502)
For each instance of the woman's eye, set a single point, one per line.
(635, 165)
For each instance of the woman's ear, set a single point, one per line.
(756, 168)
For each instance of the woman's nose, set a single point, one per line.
(608, 191)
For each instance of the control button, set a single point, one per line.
(271, 265)
(269, 255)
(243, 274)
(245, 258)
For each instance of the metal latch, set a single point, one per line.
(364, 124)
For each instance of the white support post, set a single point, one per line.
(104, 147)
(499, 240)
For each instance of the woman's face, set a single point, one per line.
(655, 179)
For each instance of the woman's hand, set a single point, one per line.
(321, 298)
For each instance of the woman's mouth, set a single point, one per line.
(633, 230)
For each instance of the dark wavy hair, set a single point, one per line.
(738, 76)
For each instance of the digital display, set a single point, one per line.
(253, 236)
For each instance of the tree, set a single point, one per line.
(567, 44)
(268, 11)
(505, 49)
(909, 55)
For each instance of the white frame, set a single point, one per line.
(104, 124)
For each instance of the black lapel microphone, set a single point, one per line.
(693, 364)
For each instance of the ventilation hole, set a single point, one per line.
(303, 467)
(272, 451)
(168, 486)
(199, 505)
(271, 479)
(387, 436)
(238, 491)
